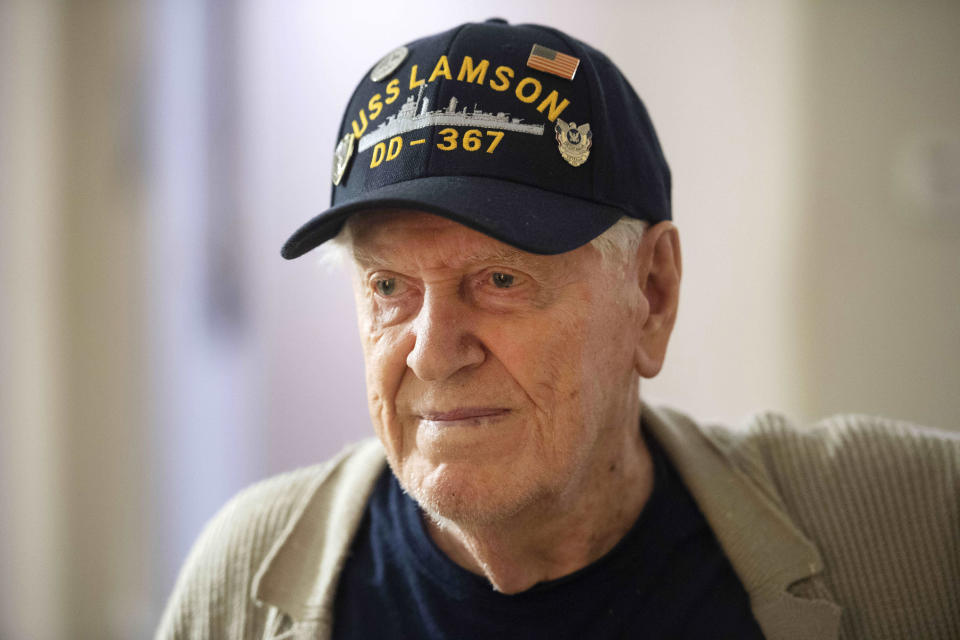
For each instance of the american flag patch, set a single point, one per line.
(559, 64)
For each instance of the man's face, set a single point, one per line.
(497, 379)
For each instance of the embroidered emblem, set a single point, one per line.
(389, 63)
(415, 114)
(559, 64)
(574, 142)
(341, 157)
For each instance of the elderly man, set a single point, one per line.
(504, 203)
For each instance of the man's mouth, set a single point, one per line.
(463, 414)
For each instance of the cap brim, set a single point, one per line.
(525, 217)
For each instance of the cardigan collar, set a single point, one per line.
(299, 575)
(767, 551)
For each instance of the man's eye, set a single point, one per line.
(502, 280)
(386, 286)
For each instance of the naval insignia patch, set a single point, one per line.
(574, 141)
(341, 157)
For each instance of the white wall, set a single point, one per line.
(31, 411)
(73, 512)
(881, 244)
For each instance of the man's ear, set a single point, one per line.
(659, 268)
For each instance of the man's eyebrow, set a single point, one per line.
(367, 258)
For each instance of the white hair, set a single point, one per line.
(615, 245)
(620, 241)
(335, 253)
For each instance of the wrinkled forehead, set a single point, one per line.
(385, 237)
(382, 234)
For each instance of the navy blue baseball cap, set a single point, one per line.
(518, 131)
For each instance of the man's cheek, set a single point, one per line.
(386, 367)
(547, 382)
(384, 355)
(386, 422)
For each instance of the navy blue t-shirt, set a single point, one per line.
(667, 578)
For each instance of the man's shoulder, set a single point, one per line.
(212, 596)
(852, 442)
(856, 510)
(837, 462)
(879, 498)
(850, 472)
(259, 513)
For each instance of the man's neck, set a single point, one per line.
(562, 535)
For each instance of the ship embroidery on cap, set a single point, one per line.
(574, 142)
(415, 114)
(559, 64)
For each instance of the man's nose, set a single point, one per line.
(444, 341)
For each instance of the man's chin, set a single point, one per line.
(464, 497)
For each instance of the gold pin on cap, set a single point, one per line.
(574, 142)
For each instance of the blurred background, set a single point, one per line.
(157, 354)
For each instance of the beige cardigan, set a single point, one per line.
(849, 528)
